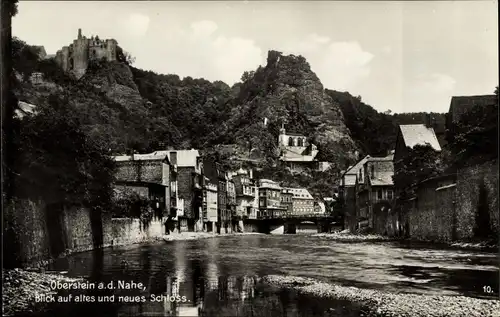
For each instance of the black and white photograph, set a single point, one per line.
(250, 158)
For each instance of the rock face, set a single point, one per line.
(287, 92)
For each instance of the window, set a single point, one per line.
(360, 176)
(372, 171)
(379, 194)
(389, 194)
(301, 142)
(290, 141)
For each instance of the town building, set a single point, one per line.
(303, 202)
(298, 154)
(149, 176)
(189, 187)
(270, 199)
(224, 213)
(245, 194)
(236, 219)
(408, 137)
(347, 192)
(287, 201)
(210, 196)
(319, 207)
(375, 193)
(74, 59)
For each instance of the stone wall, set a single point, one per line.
(470, 180)
(38, 232)
(446, 209)
(122, 231)
(434, 214)
(141, 171)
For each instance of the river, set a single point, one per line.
(219, 276)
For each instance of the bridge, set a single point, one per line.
(268, 223)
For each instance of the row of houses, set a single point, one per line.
(197, 194)
(367, 188)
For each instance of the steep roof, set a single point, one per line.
(389, 157)
(419, 134)
(301, 193)
(355, 169)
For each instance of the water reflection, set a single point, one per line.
(219, 277)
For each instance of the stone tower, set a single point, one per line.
(74, 59)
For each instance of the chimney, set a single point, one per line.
(79, 34)
(428, 120)
(173, 158)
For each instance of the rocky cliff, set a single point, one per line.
(287, 92)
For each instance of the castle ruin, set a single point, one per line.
(74, 59)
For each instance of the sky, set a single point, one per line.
(400, 56)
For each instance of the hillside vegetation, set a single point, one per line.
(133, 110)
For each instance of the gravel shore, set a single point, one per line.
(20, 288)
(201, 235)
(346, 236)
(380, 304)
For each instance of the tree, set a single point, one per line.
(124, 57)
(9, 101)
(247, 75)
(476, 135)
(421, 163)
(57, 162)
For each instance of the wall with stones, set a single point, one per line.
(446, 210)
(434, 215)
(141, 171)
(469, 183)
(122, 231)
(37, 233)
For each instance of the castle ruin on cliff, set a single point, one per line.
(74, 59)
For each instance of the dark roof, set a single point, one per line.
(295, 134)
(461, 104)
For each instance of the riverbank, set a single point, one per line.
(202, 235)
(346, 236)
(20, 288)
(381, 304)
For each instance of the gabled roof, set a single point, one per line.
(419, 134)
(355, 169)
(300, 193)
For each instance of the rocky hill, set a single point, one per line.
(130, 109)
(287, 92)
